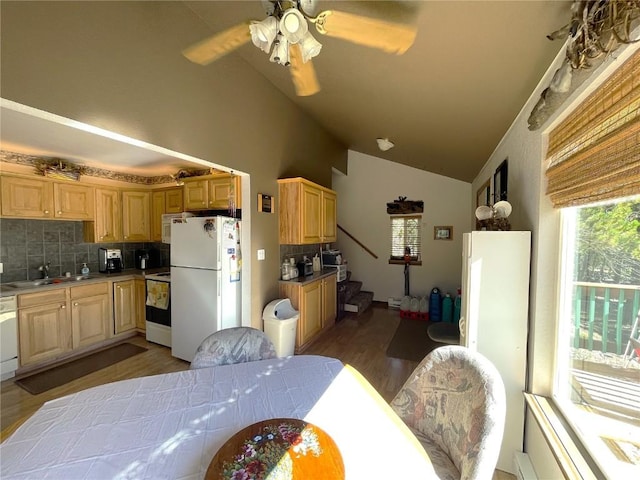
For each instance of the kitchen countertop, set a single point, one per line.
(312, 278)
(59, 282)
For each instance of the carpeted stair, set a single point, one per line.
(357, 301)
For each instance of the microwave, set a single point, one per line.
(167, 220)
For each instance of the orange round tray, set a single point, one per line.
(278, 449)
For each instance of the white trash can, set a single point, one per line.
(280, 322)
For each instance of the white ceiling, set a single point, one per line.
(446, 103)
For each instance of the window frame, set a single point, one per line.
(415, 259)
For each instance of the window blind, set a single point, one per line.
(405, 232)
(594, 154)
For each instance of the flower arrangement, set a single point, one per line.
(268, 454)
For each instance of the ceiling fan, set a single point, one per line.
(284, 34)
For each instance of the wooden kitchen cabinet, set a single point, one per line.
(136, 215)
(107, 226)
(41, 198)
(307, 213)
(44, 326)
(163, 201)
(125, 306)
(316, 302)
(90, 314)
(211, 193)
(73, 201)
(141, 297)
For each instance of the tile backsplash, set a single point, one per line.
(27, 244)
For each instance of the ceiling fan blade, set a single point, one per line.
(302, 73)
(220, 44)
(387, 36)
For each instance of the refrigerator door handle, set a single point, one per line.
(218, 277)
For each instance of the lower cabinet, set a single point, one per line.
(44, 326)
(125, 311)
(316, 302)
(141, 296)
(90, 314)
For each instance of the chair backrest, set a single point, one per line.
(456, 397)
(233, 345)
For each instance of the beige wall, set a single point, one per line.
(117, 65)
(363, 195)
(533, 211)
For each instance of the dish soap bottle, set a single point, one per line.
(85, 269)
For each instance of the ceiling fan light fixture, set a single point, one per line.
(293, 25)
(384, 144)
(280, 52)
(263, 33)
(310, 47)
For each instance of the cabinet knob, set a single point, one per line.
(126, 236)
(59, 212)
(63, 307)
(46, 212)
(203, 203)
(75, 304)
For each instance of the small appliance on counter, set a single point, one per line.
(305, 267)
(109, 260)
(142, 259)
(331, 257)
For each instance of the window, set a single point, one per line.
(406, 239)
(597, 384)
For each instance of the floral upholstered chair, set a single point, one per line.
(233, 345)
(454, 402)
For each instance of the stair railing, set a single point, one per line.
(358, 242)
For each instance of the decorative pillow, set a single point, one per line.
(233, 345)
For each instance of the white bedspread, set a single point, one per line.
(170, 426)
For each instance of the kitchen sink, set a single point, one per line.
(46, 281)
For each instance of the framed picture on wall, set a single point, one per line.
(500, 182)
(443, 233)
(483, 195)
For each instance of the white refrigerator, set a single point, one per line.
(205, 280)
(494, 318)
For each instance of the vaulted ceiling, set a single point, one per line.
(445, 103)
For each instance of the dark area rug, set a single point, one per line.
(56, 376)
(411, 342)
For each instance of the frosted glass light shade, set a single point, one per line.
(263, 33)
(310, 47)
(293, 25)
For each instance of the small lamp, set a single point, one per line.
(310, 47)
(293, 25)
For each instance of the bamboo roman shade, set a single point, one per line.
(594, 154)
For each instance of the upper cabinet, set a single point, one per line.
(108, 218)
(41, 198)
(164, 201)
(136, 216)
(211, 193)
(307, 213)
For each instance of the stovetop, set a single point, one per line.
(162, 276)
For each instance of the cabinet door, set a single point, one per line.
(196, 195)
(136, 213)
(124, 306)
(157, 210)
(219, 189)
(45, 332)
(90, 320)
(329, 301)
(311, 214)
(22, 197)
(73, 201)
(311, 311)
(141, 312)
(329, 217)
(173, 201)
(108, 224)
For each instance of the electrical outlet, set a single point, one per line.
(261, 254)
(1, 268)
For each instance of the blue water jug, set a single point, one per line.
(435, 306)
(447, 308)
(457, 305)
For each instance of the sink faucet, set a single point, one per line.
(45, 269)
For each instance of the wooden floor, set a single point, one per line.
(358, 341)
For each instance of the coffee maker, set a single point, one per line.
(109, 260)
